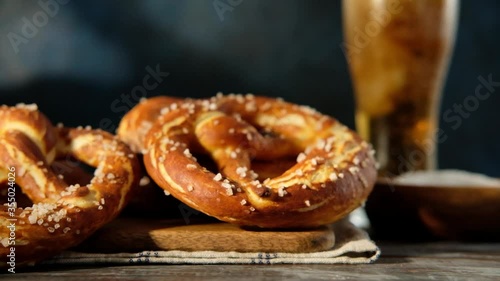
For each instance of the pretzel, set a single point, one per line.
(333, 174)
(137, 122)
(62, 215)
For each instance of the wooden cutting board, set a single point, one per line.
(137, 234)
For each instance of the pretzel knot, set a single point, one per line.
(334, 171)
(62, 215)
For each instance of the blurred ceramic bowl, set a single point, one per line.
(447, 204)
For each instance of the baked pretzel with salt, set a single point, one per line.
(62, 215)
(333, 174)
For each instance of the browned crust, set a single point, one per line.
(335, 174)
(62, 216)
(137, 122)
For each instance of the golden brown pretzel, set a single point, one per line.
(334, 173)
(61, 216)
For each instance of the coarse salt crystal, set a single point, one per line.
(218, 177)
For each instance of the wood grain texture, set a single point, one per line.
(135, 235)
(399, 261)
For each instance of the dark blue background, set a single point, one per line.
(90, 52)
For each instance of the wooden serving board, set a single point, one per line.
(136, 235)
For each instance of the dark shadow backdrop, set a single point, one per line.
(81, 63)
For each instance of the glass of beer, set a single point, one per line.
(398, 53)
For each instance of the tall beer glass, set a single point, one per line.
(398, 53)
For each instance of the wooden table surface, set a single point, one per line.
(416, 261)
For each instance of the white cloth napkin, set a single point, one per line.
(352, 246)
